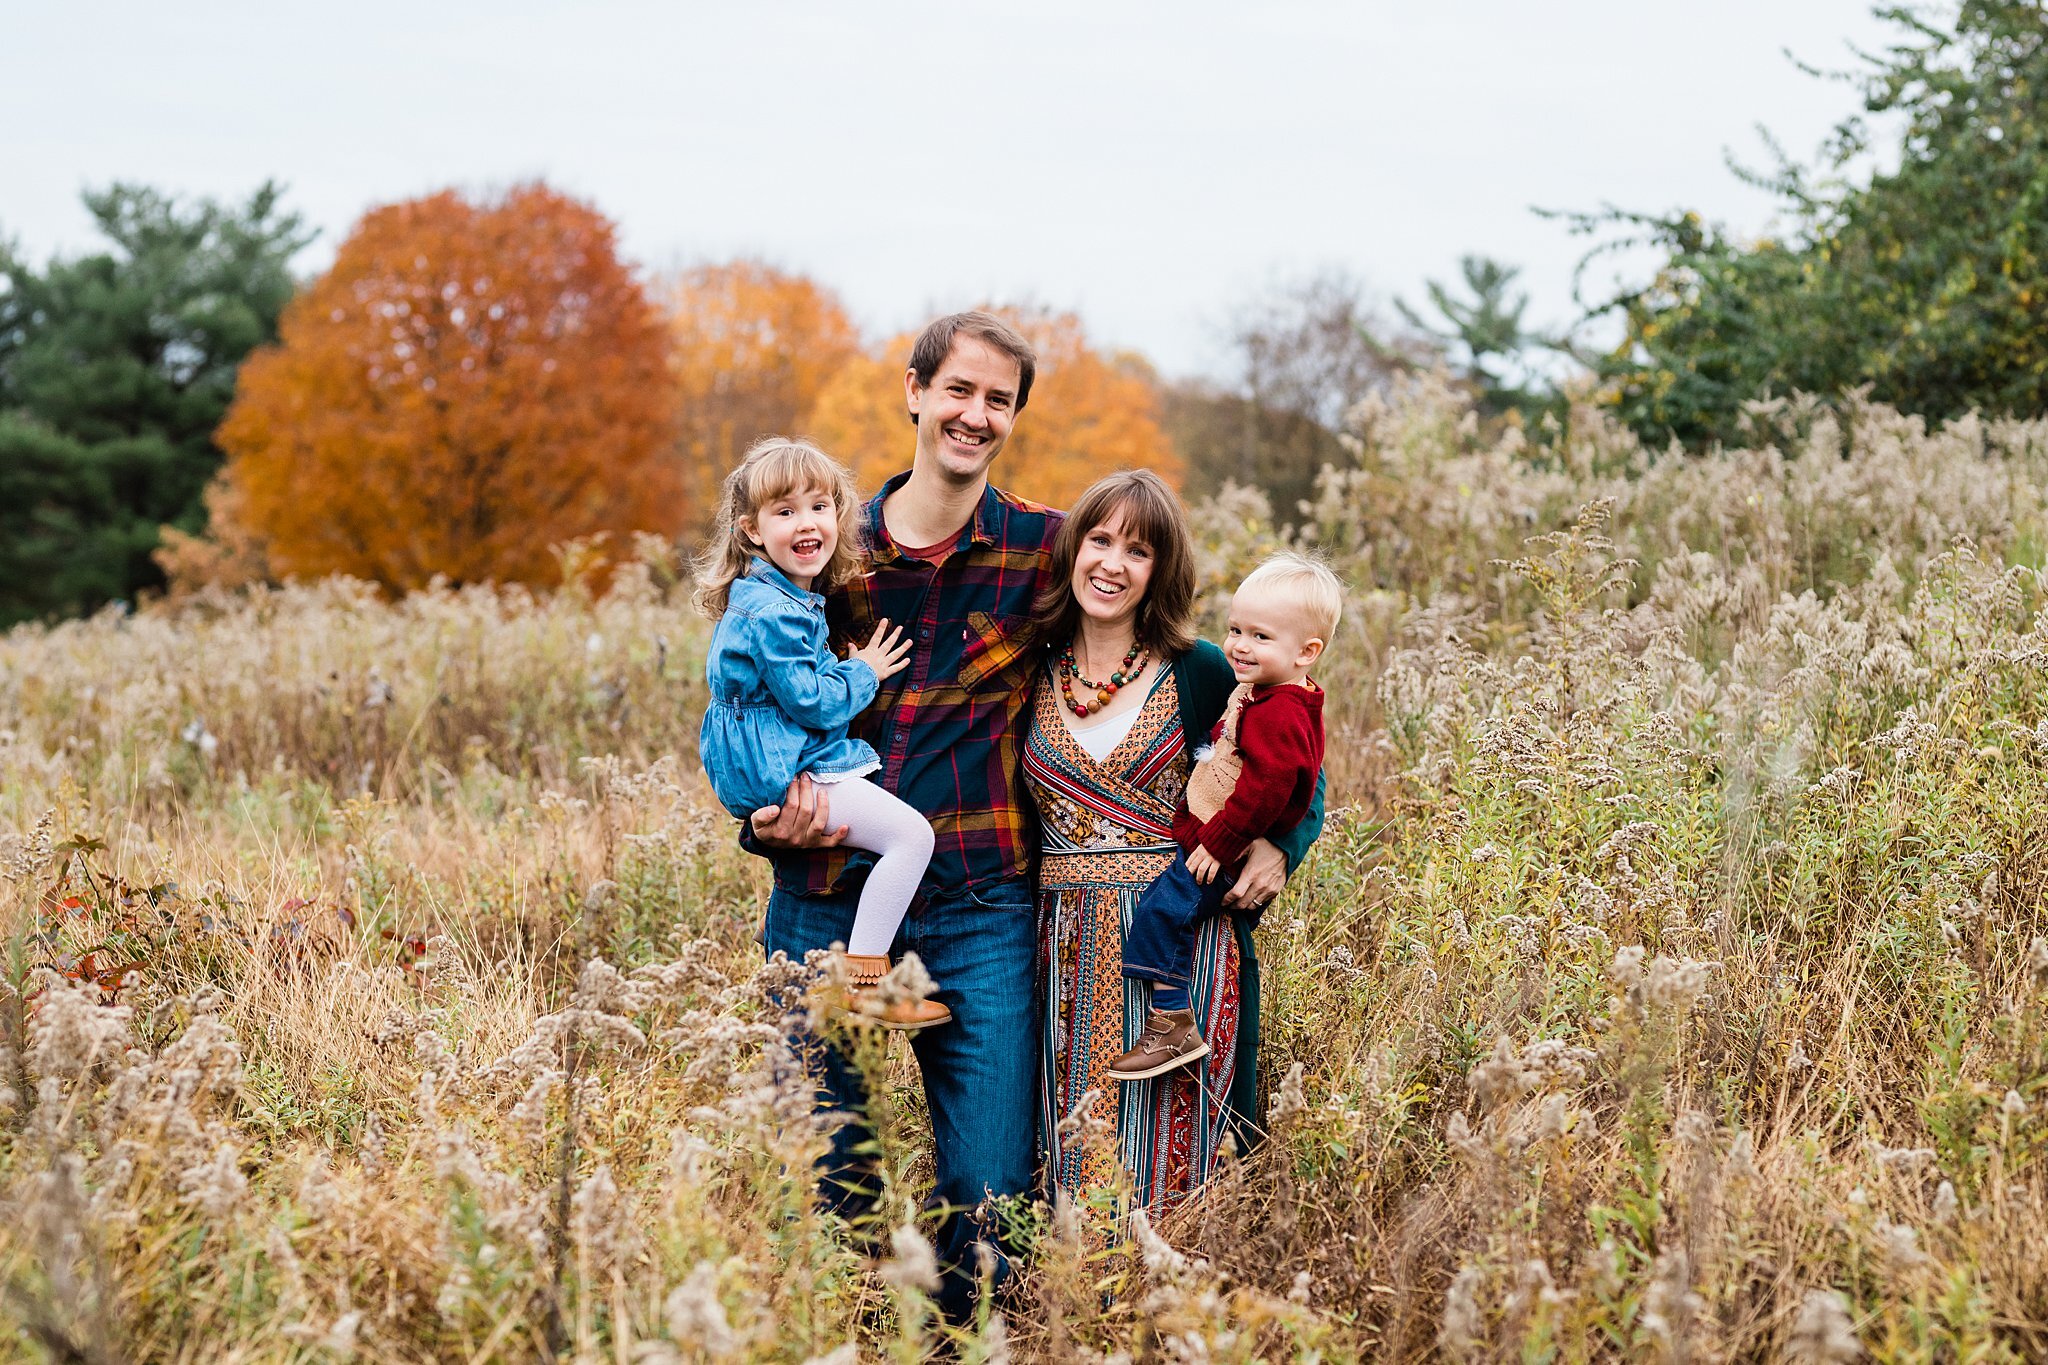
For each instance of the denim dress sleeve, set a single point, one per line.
(814, 689)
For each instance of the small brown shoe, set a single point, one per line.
(1170, 1039)
(866, 1003)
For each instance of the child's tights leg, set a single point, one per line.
(884, 825)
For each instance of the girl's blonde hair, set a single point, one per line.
(774, 467)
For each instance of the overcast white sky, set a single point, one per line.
(1150, 166)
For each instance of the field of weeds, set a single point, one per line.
(1670, 981)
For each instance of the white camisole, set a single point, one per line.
(1100, 738)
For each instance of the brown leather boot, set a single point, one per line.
(1170, 1040)
(864, 973)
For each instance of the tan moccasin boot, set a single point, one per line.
(1170, 1040)
(864, 973)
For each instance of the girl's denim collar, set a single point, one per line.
(764, 572)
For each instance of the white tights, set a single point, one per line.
(881, 823)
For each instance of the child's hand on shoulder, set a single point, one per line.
(887, 651)
(1202, 863)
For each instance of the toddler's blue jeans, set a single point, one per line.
(1160, 943)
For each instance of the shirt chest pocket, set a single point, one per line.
(995, 651)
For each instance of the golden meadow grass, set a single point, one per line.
(1668, 983)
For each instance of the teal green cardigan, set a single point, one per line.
(1204, 680)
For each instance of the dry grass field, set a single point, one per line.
(1670, 982)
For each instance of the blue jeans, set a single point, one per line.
(1159, 946)
(980, 1071)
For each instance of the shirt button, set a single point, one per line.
(925, 634)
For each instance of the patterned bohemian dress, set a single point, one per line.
(1108, 832)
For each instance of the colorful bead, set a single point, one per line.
(1069, 671)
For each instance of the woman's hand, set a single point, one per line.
(803, 820)
(1264, 877)
(887, 655)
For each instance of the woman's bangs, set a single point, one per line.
(1146, 516)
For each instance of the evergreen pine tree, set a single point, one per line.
(1485, 336)
(115, 368)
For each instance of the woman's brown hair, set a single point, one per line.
(1152, 514)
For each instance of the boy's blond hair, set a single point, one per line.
(1309, 583)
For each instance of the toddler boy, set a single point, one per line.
(1258, 778)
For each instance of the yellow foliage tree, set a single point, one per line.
(1089, 414)
(860, 417)
(751, 350)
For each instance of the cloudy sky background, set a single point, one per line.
(1150, 166)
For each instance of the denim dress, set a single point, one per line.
(780, 699)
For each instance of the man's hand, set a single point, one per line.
(803, 820)
(1264, 877)
(1202, 863)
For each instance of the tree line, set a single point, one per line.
(1912, 255)
(472, 381)
(475, 379)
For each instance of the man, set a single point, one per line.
(958, 564)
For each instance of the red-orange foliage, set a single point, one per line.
(751, 348)
(468, 385)
(1089, 414)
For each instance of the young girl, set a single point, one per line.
(780, 700)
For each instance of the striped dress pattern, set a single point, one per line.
(1107, 830)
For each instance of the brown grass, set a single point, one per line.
(1669, 984)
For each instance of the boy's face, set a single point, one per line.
(964, 416)
(1268, 642)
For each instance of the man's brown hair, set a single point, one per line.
(1153, 514)
(935, 343)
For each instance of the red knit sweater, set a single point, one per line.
(1280, 737)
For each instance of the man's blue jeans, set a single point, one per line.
(1160, 944)
(980, 1070)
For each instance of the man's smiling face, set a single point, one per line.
(965, 414)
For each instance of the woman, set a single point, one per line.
(1126, 695)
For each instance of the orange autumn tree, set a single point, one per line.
(860, 417)
(471, 383)
(751, 348)
(1089, 414)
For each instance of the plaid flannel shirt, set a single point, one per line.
(950, 726)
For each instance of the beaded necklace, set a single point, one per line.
(1070, 673)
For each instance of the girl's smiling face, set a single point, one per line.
(797, 532)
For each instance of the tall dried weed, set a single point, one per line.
(1671, 981)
